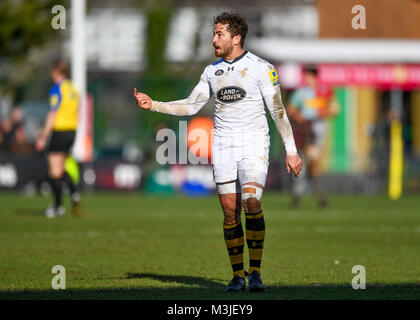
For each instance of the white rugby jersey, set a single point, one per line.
(240, 88)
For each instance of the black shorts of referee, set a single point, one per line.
(62, 141)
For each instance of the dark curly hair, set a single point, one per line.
(236, 24)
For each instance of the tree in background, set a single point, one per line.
(156, 79)
(24, 27)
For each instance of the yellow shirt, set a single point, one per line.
(64, 99)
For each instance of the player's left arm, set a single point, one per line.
(45, 132)
(270, 89)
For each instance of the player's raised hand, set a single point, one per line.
(143, 100)
(294, 163)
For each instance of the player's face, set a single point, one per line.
(309, 79)
(55, 75)
(222, 41)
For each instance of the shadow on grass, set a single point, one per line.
(30, 212)
(183, 280)
(197, 288)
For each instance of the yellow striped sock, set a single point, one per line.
(234, 238)
(255, 234)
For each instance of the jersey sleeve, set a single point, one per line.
(270, 90)
(189, 106)
(55, 97)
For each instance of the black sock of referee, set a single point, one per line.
(67, 179)
(56, 186)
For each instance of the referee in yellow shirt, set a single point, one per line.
(61, 123)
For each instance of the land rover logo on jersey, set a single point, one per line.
(219, 72)
(231, 94)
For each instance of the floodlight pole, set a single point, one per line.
(78, 64)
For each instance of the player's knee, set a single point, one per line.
(251, 198)
(253, 204)
(232, 219)
(56, 173)
(313, 153)
(231, 211)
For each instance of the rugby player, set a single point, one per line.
(61, 123)
(240, 82)
(309, 107)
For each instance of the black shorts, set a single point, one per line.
(61, 141)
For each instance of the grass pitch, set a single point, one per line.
(129, 246)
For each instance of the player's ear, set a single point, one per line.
(237, 40)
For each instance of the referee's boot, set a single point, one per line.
(236, 284)
(255, 282)
(53, 211)
(77, 206)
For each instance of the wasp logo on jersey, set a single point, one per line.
(231, 94)
(274, 78)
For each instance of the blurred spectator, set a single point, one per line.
(309, 107)
(12, 134)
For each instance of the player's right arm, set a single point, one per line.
(55, 101)
(186, 107)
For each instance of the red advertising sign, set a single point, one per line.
(404, 76)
